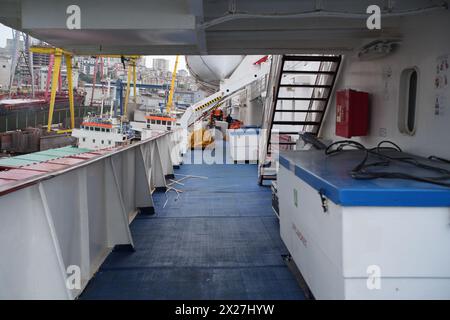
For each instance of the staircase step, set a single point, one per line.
(290, 132)
(300, 111)
(313, 58)
(308, 72)
(302, 99)
(285, 132)
(290, 143)
(271, 177)
(325, 86)
(294, 123)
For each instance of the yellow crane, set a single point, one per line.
(172, 87)
(58, 54)
(131, 72)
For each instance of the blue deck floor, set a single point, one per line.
(219, 240)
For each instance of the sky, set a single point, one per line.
(5, 33)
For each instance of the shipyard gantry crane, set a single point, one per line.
(57, 55)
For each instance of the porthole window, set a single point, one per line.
(408, 101)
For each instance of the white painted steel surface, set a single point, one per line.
(334, 249)
(93, 140)
(199, 27)
(75, 217)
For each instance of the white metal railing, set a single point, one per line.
(269, 109)
(67, 221)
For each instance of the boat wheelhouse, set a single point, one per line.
(160, 122)
(100, 133)
(157, 123)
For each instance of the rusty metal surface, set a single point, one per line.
(5, 140)
(67, 161)
(4, 182)
(18, 174)
(56, 141)
(45, 167)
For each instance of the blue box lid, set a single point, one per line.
(331, 175)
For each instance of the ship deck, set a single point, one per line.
(219, 240)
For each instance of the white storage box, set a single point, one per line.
(363, 239)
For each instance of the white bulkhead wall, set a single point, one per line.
(425, 39)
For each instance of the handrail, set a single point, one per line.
(14, 186)
(270, 106)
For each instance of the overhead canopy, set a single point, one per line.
(209, 26)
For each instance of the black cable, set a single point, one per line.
(400, 175)
(396, 147)
(435, 158)
(361, 170)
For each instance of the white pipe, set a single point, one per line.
(108, 92)
(315, 14)
(30, 63)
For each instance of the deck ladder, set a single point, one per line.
(299, 92)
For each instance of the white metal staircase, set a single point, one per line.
(299, 92)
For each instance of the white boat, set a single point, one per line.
(103, 132)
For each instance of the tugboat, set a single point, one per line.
(100, 132)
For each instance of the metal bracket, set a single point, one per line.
(323, 200)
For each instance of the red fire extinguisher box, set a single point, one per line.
(352, 113)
